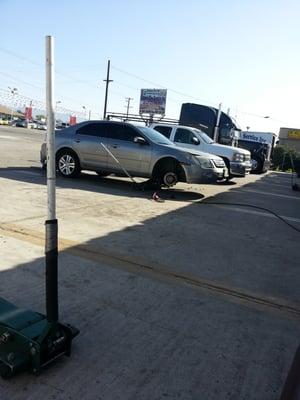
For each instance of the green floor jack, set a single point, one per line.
(29, 341)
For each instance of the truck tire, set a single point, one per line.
(67, 163)
(257, 165)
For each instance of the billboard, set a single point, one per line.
(153, 101)
(28, 113)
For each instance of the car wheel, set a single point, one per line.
(102, 173)
(67, 164)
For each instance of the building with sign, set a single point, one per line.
(290, 137)
(6, 112)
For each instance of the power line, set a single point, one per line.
(183, 94)
(160, 85)
(40, 88)
(86, 82)
(17, 100)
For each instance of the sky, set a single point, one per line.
(241, 53)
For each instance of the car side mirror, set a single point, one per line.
(195, 140)
(140, 140)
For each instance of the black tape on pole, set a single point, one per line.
(51, 253)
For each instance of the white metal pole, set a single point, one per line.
(51, 223)
(216, 131)
(51, 169)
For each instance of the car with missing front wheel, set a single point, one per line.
(108, 147)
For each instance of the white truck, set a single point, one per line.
(237, 160)
(261, 145)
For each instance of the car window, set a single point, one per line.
(165, 130)
(203, 136)
(183, 136)
(121, 132)
(154, 136)
(92, 129)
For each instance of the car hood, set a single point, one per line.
(197, 152)
(226, 149)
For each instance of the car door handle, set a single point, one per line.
(114, 146)
(77, 140)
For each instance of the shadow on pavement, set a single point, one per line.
(93, 183)
(147, 333)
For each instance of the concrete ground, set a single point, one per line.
(178, 300)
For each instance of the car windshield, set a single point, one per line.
(204, 136)
(154, 136)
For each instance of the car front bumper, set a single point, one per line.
(197, 174)
(240, 168)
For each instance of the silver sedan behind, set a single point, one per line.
(141, 151)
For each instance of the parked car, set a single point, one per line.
(236, 159)
(4, 121)
(23, 123)
(20, 123)
(142, 151)
(41, 126)
(61, 125)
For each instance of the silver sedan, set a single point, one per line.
(112, 147)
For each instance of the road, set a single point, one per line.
(178, 300)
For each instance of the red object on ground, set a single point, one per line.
(156, 197)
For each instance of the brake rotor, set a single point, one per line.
(170, 179)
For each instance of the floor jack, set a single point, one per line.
(29, 341)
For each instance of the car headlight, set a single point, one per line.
(238, 157)
(205, 162)
(218, 163)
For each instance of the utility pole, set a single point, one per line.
(128, 99)
(13, 91)
(216, 131)
(107, 80)
(84, 107)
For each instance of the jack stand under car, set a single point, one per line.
(29, 341)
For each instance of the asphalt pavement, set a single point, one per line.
(174, 300)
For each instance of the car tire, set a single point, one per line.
(67, 164)
(102, 173)
(257, 165)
